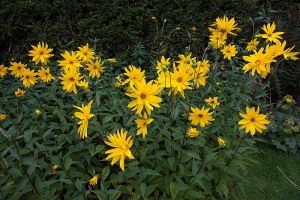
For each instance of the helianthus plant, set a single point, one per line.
(182, 130)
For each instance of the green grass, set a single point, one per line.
(266, 182)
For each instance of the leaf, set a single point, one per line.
(146, 172)
(193, 154)
(195, 194)
(100, 194)
(174, 144)
(47, 133)
(79, 184)
(105, 173)
(15, 171)
(143, 189)
(171, 161)
(98, 149)
(174, 187)
(46, 183)
(21, 185)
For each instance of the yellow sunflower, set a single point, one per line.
(121, 147)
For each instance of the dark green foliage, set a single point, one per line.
(118, 25)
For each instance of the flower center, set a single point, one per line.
(85, 53)
(46, 74)
(143, 96)
(252, 119)
(41, 53)
(71, 62)
(269, 34)
(223, 30)
(27, 77)
(179, 79)
(257, 62)
(212, 102)
(72, 79)
(19, 67)
(200, 115)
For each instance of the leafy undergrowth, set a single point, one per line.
(266, 181)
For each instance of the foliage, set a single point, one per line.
(119, 25)
(285, 125)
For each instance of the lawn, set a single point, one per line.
(266, 180)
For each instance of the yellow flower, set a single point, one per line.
(253, 121)
(224, 26)
(2, 117)
(94, 180)
(202, 117)
(71, 61)
(257, 62)
(180, 80)
(19, 93)
(192, 132)
(288, 100)
(112, 60)
(84, 117)
(269, 33)
(217, 40)
(203, 66)
(70, 79)
(142, 125)
(17, 69)
(193, 29)
(185, 61)
(229, 51)
(41, 53)
(85, 53)
(121, 147)
(38, 112)
(3, 70)
(144, 94)
(95, 68)
(212, 102)
(199, 79)
(45, 74)
(252, 45)
(119, 81)
(222, 143)
(28, 77)
(84, 84)
(162, 66)
(55, 167)
(153, 18)
(134, 75)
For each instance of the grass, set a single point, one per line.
(266, 182)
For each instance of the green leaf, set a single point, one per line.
(146, 172)
(15, 171)
(100, 194)
(22, 184)
(195, 194)
(171, 161)
(79, 184)
(46, 183)
(143, 189)
(47, 133)
(193, 154)
(174, 187)
(175, 145)
(105, 173)
(97, 149)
